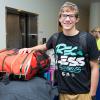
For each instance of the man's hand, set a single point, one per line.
(35, 48)
(25, 50)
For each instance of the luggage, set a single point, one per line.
(23, 66)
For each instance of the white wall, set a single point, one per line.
(2, 25)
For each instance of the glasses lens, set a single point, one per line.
(71, 16)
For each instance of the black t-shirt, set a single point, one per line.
(74, 72)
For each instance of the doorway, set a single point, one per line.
(22, 29)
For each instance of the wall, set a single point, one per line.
(2, 25)
(94, 14)
(83, 24)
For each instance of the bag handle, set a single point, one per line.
(25, 60)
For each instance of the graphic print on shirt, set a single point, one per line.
(70, 59)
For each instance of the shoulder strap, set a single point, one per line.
(55, 39)
(83, 40)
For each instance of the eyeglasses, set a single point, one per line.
(71, 16)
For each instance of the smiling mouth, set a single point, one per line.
(67, 24)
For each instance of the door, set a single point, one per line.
(32, 31)
(14, 36)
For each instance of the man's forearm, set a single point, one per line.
(39, 47)
(94, 80)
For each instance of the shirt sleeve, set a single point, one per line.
(92, 47)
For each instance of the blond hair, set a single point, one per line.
(71, 6)
(96, 32)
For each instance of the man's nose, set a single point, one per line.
(67, 18)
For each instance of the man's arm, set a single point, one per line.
(35, 48)
(94, 77)
(39, 47)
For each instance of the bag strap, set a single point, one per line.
(83, 40)
(83, 43)
(55, 39)
(21, 66)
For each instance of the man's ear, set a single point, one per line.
(59, 20)
(78, 19)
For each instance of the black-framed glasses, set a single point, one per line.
(71, 16)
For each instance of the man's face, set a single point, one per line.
(68, 18)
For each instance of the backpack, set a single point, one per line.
(22, 67)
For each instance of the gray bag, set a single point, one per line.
(34, 89)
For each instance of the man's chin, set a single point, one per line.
(67, 28)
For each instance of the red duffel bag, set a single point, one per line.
(23, 66)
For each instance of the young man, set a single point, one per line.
(77, 76)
